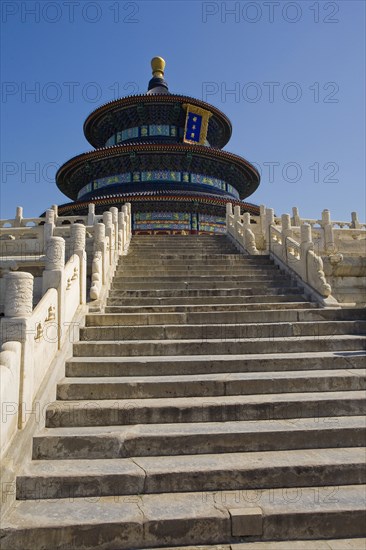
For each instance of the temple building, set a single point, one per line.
(162, 153)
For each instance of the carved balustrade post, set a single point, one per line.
(18, 216)
(355, 222)
(121, 233)
(78, 244)
(54, 277)
(18, 294)
(286, 232)
(100, 246)
(262, 221)
(246, 225)
(49, 226)
(229, 213)
(91, 214)
(237, 221)
(114, 212)
(108, 222)
(296, 221)
(55, 209)
(269, 222)
(16, 326)
(126, 209)
(249, 237)
(328, 235)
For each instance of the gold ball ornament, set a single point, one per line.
(158, 66)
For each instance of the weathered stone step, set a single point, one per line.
(202, 364)
(261, 268)
(222, 317)
(231, 280)
(284, 330)
(233, 260)
(131, 348)
(186, 238)
(200, 385)
(182, 245)
(161, 307)
(205, 282)
(109, 523)
(223, 408)
(208, 284)
(181, 283)
(156, 256)
(95, 442)
(247, 298)
(163, 243)
(356, 543)
(147, 250)
(192, 274)
(195, 271)
(165, 474)
(244, 290)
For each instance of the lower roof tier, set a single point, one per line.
(159, 201)
(109, 162)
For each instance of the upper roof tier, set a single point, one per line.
(138, 110)
(157, 107)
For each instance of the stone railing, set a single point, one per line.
(27, 237)
(240, 228)
(302, 245)
(31, 337)
(298, 256)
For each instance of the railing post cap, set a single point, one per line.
(18, 294)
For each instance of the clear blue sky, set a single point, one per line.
(295, 70)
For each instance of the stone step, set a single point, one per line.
(222, 317)
(181, 245)
(131, 348)
(163, 292)
(261, 268)
(185, 238)
(191, 276)
(166, 252)
(205, 281)
(201, 332)
(145, 265)
(160, 307)
(165, 474)
(109, 523)
(220, 241)
(208, 283)
(195, 271)
(233, 260)
(221, 408)
(181, 283)
(165, 255)
(187, 438)
(357, 543)
(175, 239)
(144, 250)
(202, 364)
(247, 298)
(200, 385)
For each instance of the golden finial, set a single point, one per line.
(158, 66)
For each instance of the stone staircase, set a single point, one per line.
(209, 404)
